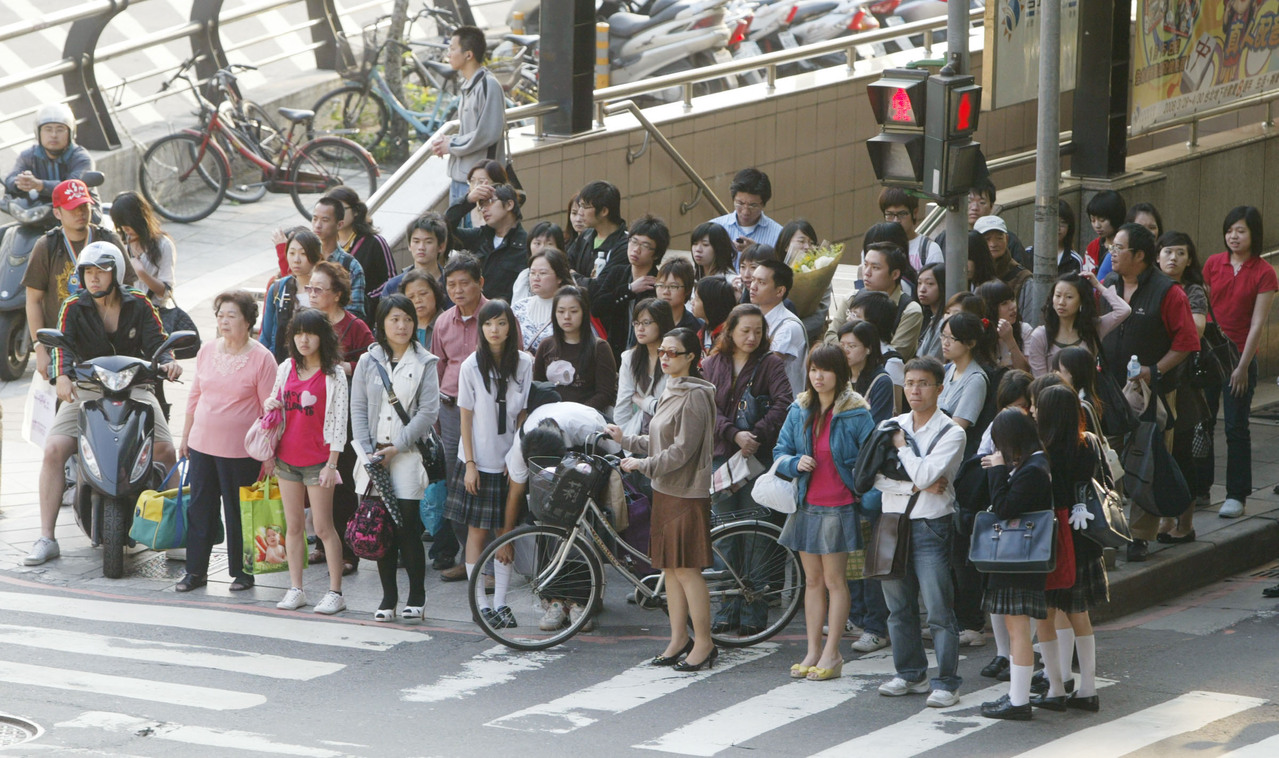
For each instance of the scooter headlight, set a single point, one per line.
(115, 380)
(87, 458)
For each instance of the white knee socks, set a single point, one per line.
(501, 580)
(1052, 668)
(1000, 630)
(1087, 647)
(1066, 649)
(1019, 689)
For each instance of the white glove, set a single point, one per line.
(1079, 517)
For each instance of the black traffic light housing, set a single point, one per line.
(899, 102)
(953, 161)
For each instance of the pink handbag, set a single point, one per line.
(263, 438)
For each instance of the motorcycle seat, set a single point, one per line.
(443, 69)
(661, 5)
(297, 115)
(628, 24)
(523, 40)
(812, 8)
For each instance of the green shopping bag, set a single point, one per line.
(263, 526)
(159, 518)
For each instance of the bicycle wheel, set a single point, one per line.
(352, 112)
(325, 163)
(545, 567)
(183, 177)
(248, 179)
(753, 571)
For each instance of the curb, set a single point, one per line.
(1176, 570)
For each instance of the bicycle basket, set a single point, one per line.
(560, 488)
(368, 60)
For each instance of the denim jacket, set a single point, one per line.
(851, 425)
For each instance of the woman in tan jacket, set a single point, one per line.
(679, 446)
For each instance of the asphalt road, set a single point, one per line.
(145, 675)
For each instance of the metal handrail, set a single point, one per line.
(702, 187)
(58, 18)
(1263, 98)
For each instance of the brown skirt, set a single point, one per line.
(681, 532)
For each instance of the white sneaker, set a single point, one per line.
(331, 603)
(869, 643)
(575, 612)
(942, 699)
(293, 600)
(1232, 508)
(554, 617)
(45, 549)
(970, 638)
(896, 687)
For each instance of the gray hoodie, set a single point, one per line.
(481, 125)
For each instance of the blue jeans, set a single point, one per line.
(457, 191)
(1238, 437)
(927, 572)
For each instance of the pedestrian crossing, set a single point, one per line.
(542, 694)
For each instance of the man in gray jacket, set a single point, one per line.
(481, 116)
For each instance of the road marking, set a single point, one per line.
(1191, 711)
(630, 689)
(120, 686)
(194, 735)
(748, 719)
(928, 729)
(1267, 748)
(497, 665)
(224, 622)
(238, 661)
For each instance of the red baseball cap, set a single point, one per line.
(71, 194)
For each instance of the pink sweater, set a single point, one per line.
(227, 396)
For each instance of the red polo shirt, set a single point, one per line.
(1234, 295)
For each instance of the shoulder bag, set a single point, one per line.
(1026, 544)
(1152, 477)
(775, 491)
(751, 408)
(1218, 356)
(1107, 525)
(263, 437)
(889, 549)
(177, 320)
(429, 447)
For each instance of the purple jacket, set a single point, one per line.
(772, 381)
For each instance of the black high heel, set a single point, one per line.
(707, 662)
(671, 660)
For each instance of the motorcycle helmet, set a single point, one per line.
(103, 255)
(55, 113)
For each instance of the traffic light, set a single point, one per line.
(953, 162)
(898, 100)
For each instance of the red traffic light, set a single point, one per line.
(964, 112)
(900, 110)
(898, 99)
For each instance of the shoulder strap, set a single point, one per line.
(390, 392)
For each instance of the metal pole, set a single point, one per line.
(1048, 158)
(956, 211)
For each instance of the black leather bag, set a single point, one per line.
(751, 408)
(1026, 544)
(1217, 359)
(177, 320)
(1152, 478)
(1108, 526)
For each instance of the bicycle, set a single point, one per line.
(256, 129)
(560, 557)
(186, 175)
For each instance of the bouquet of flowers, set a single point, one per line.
(814, 271)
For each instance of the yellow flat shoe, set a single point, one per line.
(818, 674)
(799, 671)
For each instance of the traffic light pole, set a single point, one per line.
(1047, 159)
(956, 215)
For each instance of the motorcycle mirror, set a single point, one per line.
(175, 340)
(93, 178)
(53, 338)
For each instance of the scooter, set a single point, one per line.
(116, 443)
(825, 23)
(680, 35)
(33, 218)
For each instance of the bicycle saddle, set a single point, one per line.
(443, 69)
(297, 115)
(523, 40)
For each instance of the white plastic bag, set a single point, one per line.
(39, 412)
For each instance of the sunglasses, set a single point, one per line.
(668, 353)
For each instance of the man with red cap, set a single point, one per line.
(50, 277)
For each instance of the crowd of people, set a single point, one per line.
(687, 364)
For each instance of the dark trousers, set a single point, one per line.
(345, 501)
(407, 542)
(969, 585)
(449, 540)
(215, 479)
(1238, 411)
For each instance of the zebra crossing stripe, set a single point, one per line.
(1186, 713)
(190, 695)
(630, 689)
(195, 735)
(356, 636)
(497, 665)
(1267, 748)
(750, 718)
(238, 661)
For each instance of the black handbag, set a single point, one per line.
(1218, 356)
(751, 408)
(177, 320)
(1108, 526)
(1026, 544)
(429, 447)
(1152, 478)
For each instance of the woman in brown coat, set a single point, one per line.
(679, 445)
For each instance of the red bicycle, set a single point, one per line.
(186, 175)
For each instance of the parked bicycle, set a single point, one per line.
(186, 175)
(256, 129)
(561, 556)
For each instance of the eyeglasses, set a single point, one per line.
(642, 324)
(896, 215)
(669, 287)
(1116, 249)
(314, 290)
(947, 338)
(739, 205)
(639, 244)
(919, 385)
(486, 202)
(668, 353)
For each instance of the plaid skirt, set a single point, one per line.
(1015, 602)
(483, 510)
(1091, 589)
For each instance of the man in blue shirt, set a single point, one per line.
(751, 190)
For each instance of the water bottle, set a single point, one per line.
(1134, 368)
